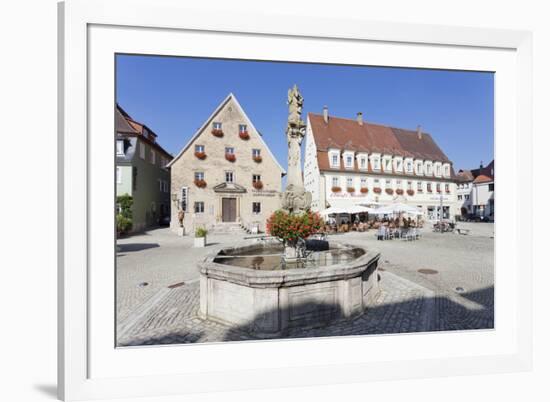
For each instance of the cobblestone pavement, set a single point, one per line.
(457, 296)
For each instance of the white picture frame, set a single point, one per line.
(90, 32)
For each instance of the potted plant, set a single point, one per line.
(364, 190)
(243, 135)
(377, 190)
(230, 157)
(217, 132)
(351, 189)
(336, 189)
(389, 191)
(258, 185)
(200, 237)
(200, 183)
(399, 191)
(410, 192)
(200, 155)
(257, 158)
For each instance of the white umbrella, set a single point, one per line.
(358, 209)
(333, 211)
(396, 209)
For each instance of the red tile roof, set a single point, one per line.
(349, 134)
(482, 175)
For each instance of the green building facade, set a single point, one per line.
(141, 172)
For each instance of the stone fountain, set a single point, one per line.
(266, 289)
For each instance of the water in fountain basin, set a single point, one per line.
(271, 258)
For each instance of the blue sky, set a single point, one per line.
(175, 95)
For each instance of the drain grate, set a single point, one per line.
(176, 285)
(427, 271)
(143, 284)
(460, 289)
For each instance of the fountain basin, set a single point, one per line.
(268, 302)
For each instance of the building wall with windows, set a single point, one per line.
(141, 171)
(476, 191)
(226, 173)
(349, 162)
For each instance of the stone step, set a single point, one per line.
(223, 228)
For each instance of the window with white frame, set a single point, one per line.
(376, 163)
(419, 167)
(349, 161)
(229, 177)
(363, 182)
(334, 160)
(256, 207)
(120, 147)
(199, 207)
(335, 181)
(153, 157)
(437, 170)
(199, 148)
(183, 202)
(229, 150)
(388, 183)
(409, 185)
(256, 178)
(447, 188)
(398, 164)
(242, 128)
(119, 175)
(349, 181)
(363, 162)
(398, 183)
(217, 125)
(387, 165)
(256, 152)
(376, 182)
(199, 175)
(419, 186)
(447, 170)
(409, 166)
(142, 150)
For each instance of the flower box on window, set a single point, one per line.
(230, 157)
(377, 190)
(410, 192)
(399, 191)
(351, 189)
(447, 191)
(364, 190)
(200, 183)
(257, 158)
(438, 190)
(258, 185)
(389, 191)
(243, 135)
(200, 155)
(336, 189)
(218, 132)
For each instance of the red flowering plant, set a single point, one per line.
(364, 190)
(230, 157)
(351, 189)
(399, 191)
(377, 190)
(243, 135)
(200, 155)
(200, 183)
(258, 185)
(217, 132)
(257, 158)
(288, 228)
(389, 191)
(336, 189)
(410, 192)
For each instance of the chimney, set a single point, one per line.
(419, 131)
(481, 165)
(325, 114)
(360, 118)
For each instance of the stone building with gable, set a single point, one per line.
(225, 177)
(350, 161)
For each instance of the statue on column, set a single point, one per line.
(295, 199)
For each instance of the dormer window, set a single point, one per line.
(349, 161)
(419, 167)
(334, 158)
(409, 166)
(387, 165)
(375, 161)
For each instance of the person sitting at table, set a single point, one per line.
(381, 234)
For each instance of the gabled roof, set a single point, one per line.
(373, 138)
(481, 175)
(209, 121)
(125, 125)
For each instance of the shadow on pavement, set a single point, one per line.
(129, 247)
